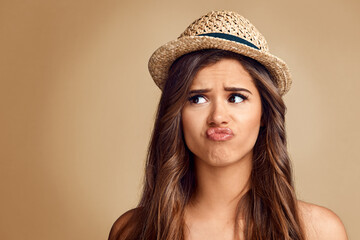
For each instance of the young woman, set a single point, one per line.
(217, 166)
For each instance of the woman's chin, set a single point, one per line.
(223, 158)
(220, 161)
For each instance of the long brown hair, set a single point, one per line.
(269, 209)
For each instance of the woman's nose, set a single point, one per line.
(218, 115)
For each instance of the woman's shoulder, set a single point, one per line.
(321, 223)
(121, 223)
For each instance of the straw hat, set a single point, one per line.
(220, 30)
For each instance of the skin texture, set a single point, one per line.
(321, 223)
(223, 167)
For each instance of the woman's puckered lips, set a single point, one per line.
(219, 134)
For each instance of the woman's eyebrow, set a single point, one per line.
(236, 89)
(228, 89)
(205, 90)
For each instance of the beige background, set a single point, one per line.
(77, 105)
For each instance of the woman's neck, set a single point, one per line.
(219, 189)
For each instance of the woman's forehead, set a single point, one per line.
(226, 73)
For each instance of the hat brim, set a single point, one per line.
(163, 57)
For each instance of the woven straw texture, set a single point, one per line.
(225, 22)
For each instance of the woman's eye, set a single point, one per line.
(198, 99)
(236, 98)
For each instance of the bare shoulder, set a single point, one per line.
(321, 223)
(121, 223)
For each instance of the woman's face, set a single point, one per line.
(221, 119)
